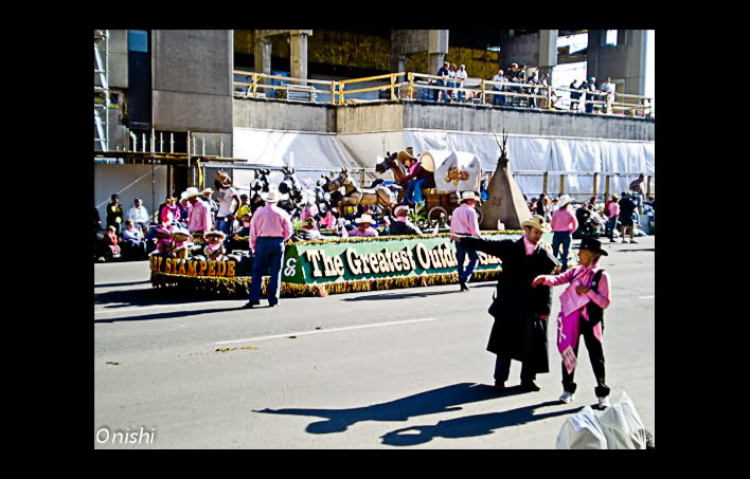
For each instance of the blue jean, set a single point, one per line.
(563, 238)
(459, 93)
(498, 99)
(269, 253)
(223, 225)
(502, 370)
(414, 188)
(461, 252)
(639, 202)
(611, 227)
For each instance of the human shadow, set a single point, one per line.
(440, 400)
(147, 297)
(167, 315)
(471, 426)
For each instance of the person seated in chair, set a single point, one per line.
(182, 241)
(401, 225)
(417, 178)
(111, 240)
(133, 244)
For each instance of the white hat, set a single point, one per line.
(538, 222)
(469, 195)
(564, 200)
(208, 190)
(192, 192)
(273, 196)
(365, 219)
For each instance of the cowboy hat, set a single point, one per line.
(309, 223)
(208, 190)
(593, 245)
(401, 210)
(538, 222)
(191, 192)
(469, 195)
(222, 177)
(364, 219)
(404, 155)
(215, 233)
(564, 200)
(273, 196)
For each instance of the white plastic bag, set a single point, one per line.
(622, 426)
(582, 431)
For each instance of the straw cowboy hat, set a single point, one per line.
(402, 210)
(191, 192)
(219, 234)
(364, 219)
(404, 155)
(222, 177)
(593, 245)
(564, 200)
(538, 222)
(469, 195)
(309, 223)
(273, 196)
(208, 190)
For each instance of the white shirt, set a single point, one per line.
(224, 198)
(500, 79)
(461, 75)
(138, 215)
(606, 87)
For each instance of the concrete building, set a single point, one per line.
(171, 102)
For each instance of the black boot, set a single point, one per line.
(464, 287)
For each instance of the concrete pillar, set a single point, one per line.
(298, 53)
(625, 62)
(262, 54)
(437, 48)
(547, 51)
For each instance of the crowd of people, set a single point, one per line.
(454, 77)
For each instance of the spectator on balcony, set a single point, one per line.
(499, 99)
(574, 95)
(114, 213)
(533, 90)
(591, 87)
(609, 89)
(451, 81)
(461, 76)
(443, 72)
(544, 82)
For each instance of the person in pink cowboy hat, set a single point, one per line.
(582, 308)
(215, 250)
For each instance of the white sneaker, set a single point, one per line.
(604, 402)
(567, 398)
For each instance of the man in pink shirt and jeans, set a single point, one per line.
(563, 223)
(464, 223)
(270, 227)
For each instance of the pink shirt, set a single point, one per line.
(367, 233)
(580, 276)
(564, 220)
(614, 209)
(199, 218)
(530, 247)
(270, 222)
(464, 221)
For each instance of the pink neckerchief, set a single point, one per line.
(570, 300)
(530, 247)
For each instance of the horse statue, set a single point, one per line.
(292, 187)
(392, 162)
(354, 195)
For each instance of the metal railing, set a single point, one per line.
(517, 94)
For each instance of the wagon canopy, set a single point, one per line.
(454, 170)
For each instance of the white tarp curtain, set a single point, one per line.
(278, 148)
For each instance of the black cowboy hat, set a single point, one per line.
(592, 245)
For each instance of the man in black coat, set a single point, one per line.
(521, 311)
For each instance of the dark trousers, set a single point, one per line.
(502, 370)
(269, 254)
(596, 355)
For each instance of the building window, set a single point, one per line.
(611, 39)
(138, 41)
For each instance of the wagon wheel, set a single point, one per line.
(437, 214)
(479, 214)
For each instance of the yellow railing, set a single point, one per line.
(609, 103)
(392, 86)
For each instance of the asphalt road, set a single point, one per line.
(393, 369)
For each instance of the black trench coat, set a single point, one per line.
(517, 332)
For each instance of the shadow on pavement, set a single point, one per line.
(114, 285)
(640, 250)
(431, 402)
(146, 297)
(170, 314)
(376, 297)
(472, 426)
